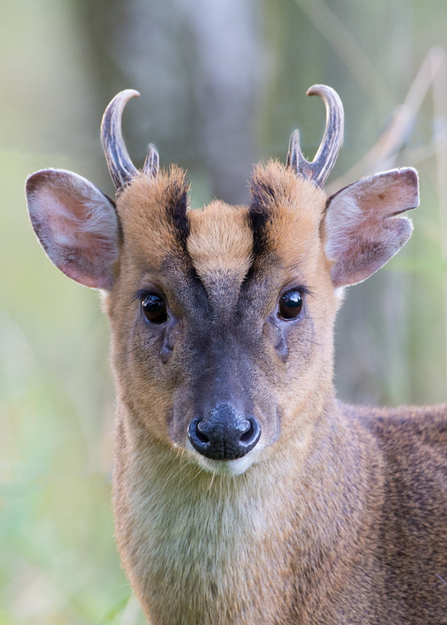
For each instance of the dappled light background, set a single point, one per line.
(222, 86)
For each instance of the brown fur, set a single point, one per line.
(339, 516)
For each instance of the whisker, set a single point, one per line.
(193, 478)
(211, 482)
(177, 473)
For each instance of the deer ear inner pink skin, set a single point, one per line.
(76, 224)
(362, 228)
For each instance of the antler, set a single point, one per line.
(152, 161)
(121, 168)
(319, 169)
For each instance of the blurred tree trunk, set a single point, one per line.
(196, 66)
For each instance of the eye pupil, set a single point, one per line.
(290, 305)
(154, 308)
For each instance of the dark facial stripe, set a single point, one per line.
(176, 195)
(259, 212)
(176, 208)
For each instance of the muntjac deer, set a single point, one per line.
(244, 492)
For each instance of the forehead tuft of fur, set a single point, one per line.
(220, 241)
(153, 215)
(285, 211)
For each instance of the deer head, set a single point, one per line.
(222, 318)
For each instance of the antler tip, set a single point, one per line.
(131, 93)
(311, 90)
(320, 90)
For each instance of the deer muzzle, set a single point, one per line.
(224, 434)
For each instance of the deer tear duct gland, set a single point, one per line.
(244, 491)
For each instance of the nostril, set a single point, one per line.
(200, 435)
(196, 436)
(246, 436)
(252, 435)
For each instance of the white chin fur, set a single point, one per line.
(231, 468)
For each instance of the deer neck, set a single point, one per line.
(197, 534)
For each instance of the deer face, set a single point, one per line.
(221, 319)
(218, 315)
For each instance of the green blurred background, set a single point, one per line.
(223, 85)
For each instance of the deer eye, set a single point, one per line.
(290, 305)
(154, 308)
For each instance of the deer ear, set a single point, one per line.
(362, 230)
(76, 224)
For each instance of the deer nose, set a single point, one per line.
(224, 434)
